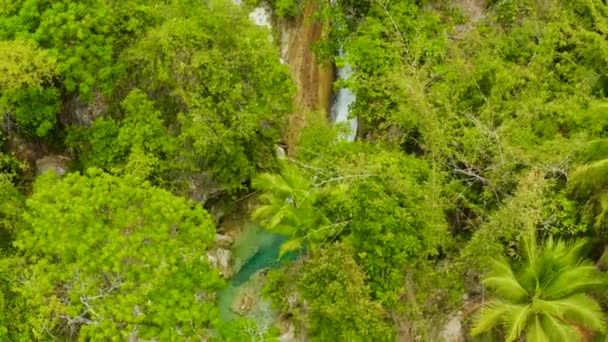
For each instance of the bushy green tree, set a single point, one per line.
(11, 208)
(225, 90)
(76, 33)
(105, 257)
(138, 137)
(23, 65)
(339, 302)
(546, 297)
(394, 217)
(26, 71)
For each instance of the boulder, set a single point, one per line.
(288, 331)
(223, 241)
(220, 258)
(244, 302)
(452, 332)
(52, 162)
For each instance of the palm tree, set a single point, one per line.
(589, 184)
(545, 298)
(288, 208)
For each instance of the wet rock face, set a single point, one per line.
(56, 163)
(77, 111)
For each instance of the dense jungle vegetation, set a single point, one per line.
(475, 195)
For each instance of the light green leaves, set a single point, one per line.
(128, 257)
(503, 281)
(545, 297)
(23, 65)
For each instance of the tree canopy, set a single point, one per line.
(105, 257)
(145, 193)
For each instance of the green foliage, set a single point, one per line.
(391, 206)
(225, 89)
(25, 69)
(11, 208)
(22, 65)
(502, 233)
(544, 299)
(288, 208)
(245, 330)
(285, 8)
(35, 110)
(492, 118)
(75, 33)
(340, 305)
(103, 257)
(139, 143)
(588, 185)
(11, 168)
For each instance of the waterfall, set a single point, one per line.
(340, 110)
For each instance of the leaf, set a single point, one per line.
(490, 316)
(535, 332)
(516, 321)
(503, 281)
(579, 309)
(290, 246)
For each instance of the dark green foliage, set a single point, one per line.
(75, 32)
(286, 8)
(11, 208)
(391, 207)
(139, 139)
(36, 110)
(329, 298)
(225, 89)
(341, 307)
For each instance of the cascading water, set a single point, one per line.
(254, 250)
(340, 110)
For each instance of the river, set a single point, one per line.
(255, 249)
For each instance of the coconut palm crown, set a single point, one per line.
(545, 298)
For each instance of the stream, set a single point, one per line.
(255, 249)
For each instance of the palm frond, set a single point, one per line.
(574, 280)
(579, 309)
(559, 331)
(290, 246)
(503, 281)
(536, 333)
(530, 247)
(271, 183)
(516, 321)
(490, 316)
(284, 229)
(575, 249)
